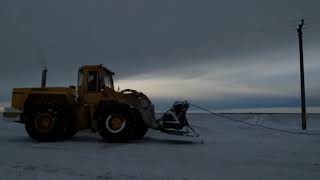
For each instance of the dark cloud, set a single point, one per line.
(144, 36)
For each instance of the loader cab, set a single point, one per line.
(92, 79)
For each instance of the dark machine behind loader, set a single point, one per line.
(57, 113)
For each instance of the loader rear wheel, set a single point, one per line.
(116, 123)
(45, 122)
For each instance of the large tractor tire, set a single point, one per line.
(116, 122)
(141, 128)
(70, 127)
(70, 130)
(45, 122)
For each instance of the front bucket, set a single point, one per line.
(188, 132)
(175, 122)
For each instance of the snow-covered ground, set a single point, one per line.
(227, 150)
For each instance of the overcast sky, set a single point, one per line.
(222, 54)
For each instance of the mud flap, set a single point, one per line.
(12, 115)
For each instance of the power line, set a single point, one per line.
(250, 124)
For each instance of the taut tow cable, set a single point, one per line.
(250, 124)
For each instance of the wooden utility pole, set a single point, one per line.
(303, 101)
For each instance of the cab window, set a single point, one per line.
(92, 81)
(108, 81)
(80, 78)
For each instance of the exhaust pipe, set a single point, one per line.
(44, 77)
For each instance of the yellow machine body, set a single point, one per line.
(95, 84)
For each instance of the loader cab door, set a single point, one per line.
(92, 87)
(91, 83)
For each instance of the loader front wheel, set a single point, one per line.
(45, 122)
(141, 128)
(70, 128)
(116, 123)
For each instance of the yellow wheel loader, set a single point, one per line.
(58, 113)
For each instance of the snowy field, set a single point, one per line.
(226, 150)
